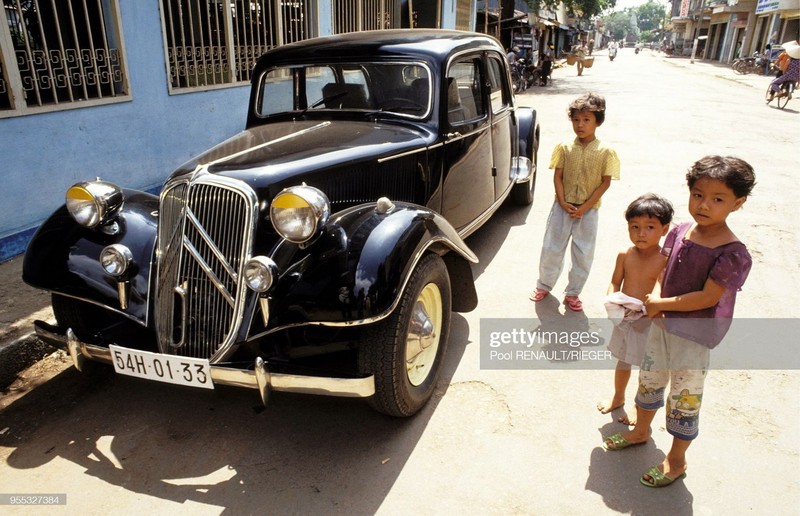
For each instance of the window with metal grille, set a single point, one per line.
(60, 55)
(215, 43)
(360, 15)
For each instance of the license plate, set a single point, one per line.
(194, 372)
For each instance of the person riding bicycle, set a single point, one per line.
(792, 72)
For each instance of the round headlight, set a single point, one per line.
(259, 273)
(116, 259)
(298, 212)
(92, 203)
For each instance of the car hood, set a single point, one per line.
(278, 151)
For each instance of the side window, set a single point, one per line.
(497, 97)
(464, 102)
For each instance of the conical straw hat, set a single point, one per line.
(792, 48)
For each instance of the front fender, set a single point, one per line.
(63, 256)
(358, 269)
(528, 137)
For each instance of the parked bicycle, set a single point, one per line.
(754, 64)
(523, 76)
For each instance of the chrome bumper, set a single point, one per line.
(259, 378)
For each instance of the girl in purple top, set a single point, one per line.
(695, 297)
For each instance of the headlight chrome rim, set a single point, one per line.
(259, 273)
(297, 213)
(116, 260)
(94, 203)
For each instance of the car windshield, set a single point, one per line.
(400, 88)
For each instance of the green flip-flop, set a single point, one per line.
(658, 478)
(618, 442)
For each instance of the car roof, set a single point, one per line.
(435, 44)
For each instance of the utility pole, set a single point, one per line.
(697, 31)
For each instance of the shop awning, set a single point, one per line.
(547, 23)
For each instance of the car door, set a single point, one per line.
(468, 186)
(503, 123)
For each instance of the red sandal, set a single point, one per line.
(538, 294)
(573, 303)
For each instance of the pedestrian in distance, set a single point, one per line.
(583, 169)
(635, 273)
(580, 55)
(695, 298)
(792, 71)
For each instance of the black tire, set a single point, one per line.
(84, 318)
(768, 94)
(522, 193)
(402, 389)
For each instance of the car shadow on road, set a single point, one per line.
(487, 241)
(221, 448)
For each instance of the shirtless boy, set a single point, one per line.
(635, 273)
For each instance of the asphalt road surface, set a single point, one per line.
(524, 441)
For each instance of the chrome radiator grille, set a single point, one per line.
(204, 237)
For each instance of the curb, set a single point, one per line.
(20, 354)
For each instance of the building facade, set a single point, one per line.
(727, 29)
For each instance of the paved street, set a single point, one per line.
(490, 442)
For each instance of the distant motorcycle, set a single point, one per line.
(612, 53)
(637, 50)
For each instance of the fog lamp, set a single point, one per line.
(260, 273)
(116, 259)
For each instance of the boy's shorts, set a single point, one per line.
(628, 340)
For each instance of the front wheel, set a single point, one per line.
(516, 82)
(405, 351)
(768, 96)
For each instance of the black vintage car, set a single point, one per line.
(321, 249)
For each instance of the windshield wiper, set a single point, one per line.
(324, 100)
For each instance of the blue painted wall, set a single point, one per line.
(135, 144)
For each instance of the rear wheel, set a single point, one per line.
(406, 350)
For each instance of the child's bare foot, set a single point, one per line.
(608, 406)
(627, 419)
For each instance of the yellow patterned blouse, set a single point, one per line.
(584, 168)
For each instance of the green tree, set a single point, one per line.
(618, 24)
(650, 16)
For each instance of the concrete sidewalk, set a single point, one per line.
(20, 305)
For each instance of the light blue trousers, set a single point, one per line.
(561, 228)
